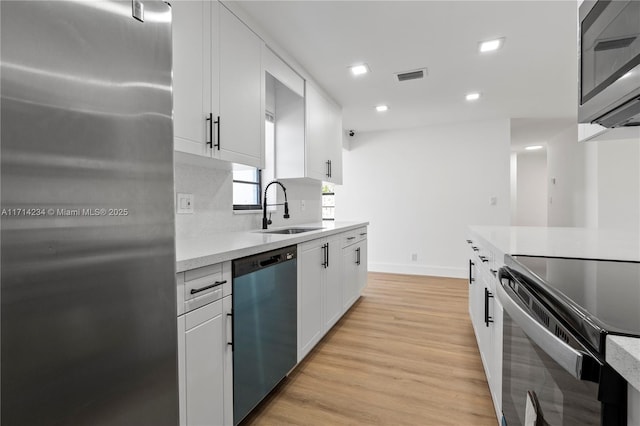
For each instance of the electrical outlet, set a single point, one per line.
(303, 205)
(494, 201)
(414, 257)
(184, 203)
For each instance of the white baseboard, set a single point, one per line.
(434, 271)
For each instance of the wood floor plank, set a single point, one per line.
(404, 354)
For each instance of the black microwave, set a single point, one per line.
(609, 60)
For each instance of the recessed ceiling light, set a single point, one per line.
(382, 108)
(491, 45)
(472, 96)
(359, 69)
(533, 147)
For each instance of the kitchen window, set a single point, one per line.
(247, 188)
(328, 201)
(249, 182)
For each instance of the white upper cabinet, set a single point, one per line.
(219, 70)
(323, 137)
(218, 84)
(316, 150)
(241, 126)
(192, 91)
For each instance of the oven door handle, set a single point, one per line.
(569, 358)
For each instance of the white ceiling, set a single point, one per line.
(533, 76)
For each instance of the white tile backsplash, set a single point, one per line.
(211, 183)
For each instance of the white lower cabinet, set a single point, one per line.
(486, 313)
(332, 272)
(319, 291)
(311, 259)
(205, 359)
(332, 286)
(354, 266)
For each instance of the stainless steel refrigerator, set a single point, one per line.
(87, 297)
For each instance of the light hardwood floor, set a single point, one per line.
(405, 354)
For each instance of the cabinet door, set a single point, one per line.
(241, 93)
(182, 380)
(317, 121)
(311, 273)
(227, 319)
(484, 305)
(204, 376)
(191, 76)
(332, 288)
(334, 144)
(349, 275)
(362, 266)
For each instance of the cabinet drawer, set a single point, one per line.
(349, 238)
(361, 234)
(203, 314)
(206, 284)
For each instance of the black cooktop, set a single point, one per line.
(594, 297)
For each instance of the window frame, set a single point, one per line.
(244, 207)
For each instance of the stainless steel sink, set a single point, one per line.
(290, 231)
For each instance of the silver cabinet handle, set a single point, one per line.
(566, 356)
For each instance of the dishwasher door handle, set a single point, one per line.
(270, 261)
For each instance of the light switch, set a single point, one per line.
(184, 203)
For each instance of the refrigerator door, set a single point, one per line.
(87, 299)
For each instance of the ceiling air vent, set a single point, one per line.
(411, 75)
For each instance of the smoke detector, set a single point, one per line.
(411, 75)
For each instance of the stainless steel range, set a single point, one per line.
(557, 314)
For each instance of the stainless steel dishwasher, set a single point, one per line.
(264, 325)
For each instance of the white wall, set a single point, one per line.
(531, 189)
(421, 188)
(618, 170)
(211, 182)
(597, 183)
(566, 165)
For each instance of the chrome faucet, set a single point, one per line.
(266, 221)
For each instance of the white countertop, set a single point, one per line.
(207, 250)
(562, 242)
(622, 353)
